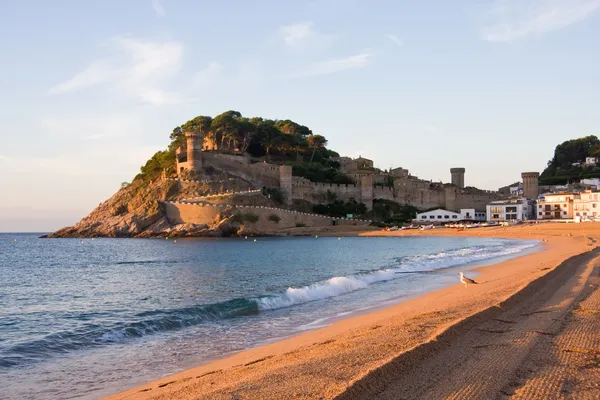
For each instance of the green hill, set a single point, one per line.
(564, 166)
(277, 141)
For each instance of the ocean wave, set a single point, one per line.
(340, 285)
(142, 324)
(164, 320)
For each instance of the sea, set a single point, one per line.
(86, 318)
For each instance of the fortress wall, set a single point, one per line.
(262, 173)
(384, 192)
(291, 219)
(304, 189)
(478, 201)
(226, 159)
(180, 213)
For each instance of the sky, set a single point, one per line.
(90, 90)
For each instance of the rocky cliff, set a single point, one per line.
(135, 211)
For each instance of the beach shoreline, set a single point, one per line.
(321, 363)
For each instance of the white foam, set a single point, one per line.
(333, 287)
(340, 285)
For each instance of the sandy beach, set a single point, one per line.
(529, 329)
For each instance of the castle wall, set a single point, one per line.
(456, 199)
(384, 192)
(263, 174)
(303, 189)
(179, 213)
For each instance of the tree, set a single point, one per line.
(316, 142)
(268, 135)
(226, 126)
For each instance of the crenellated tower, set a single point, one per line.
(189, 163)
(531, 186)
(458, 177)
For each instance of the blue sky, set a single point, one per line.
(90, 90)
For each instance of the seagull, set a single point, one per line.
(466, 280)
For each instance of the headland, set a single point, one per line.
(528, 327)
(230, 175)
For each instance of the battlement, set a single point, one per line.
(180, 212)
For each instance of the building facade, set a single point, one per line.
(555, 206)
(442, 216)
(586, 206)
(509, 210)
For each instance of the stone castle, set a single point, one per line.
(396, 185)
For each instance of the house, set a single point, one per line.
(586, 206)
(509, 210)
(580, 206)
(555, 206)
(594, 182)
(443, 216)
(590, 161)
(469, 214)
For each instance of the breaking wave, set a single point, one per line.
(340, 285)
(164, 320)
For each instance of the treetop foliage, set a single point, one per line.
(282, 141)
(561, 168)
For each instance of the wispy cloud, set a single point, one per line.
(360, 60)
(136, 68)
(158, 8)
(294, 34)
(98, 72)
(302, 36)
(508, 20)
(398, 40)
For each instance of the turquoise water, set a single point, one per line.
(88, 318)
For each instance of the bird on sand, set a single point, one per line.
(466, 280)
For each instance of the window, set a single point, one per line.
(495, 216)
(565, 205)
(496, 209)
(454, 216)
(431, 216)
(577, 214)
(540, 206)
(593, 205)
(439, 217)
(446, 217)
(423, 216)
(511, 209)
(564, 213)
(540, 213)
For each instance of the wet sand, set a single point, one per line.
(529, 329)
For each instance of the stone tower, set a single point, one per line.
(531, 184)
(366, 190)
(194, 152)
(285, 183)
(458, 177)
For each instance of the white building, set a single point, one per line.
(582, 206)
(469, 214)
(590, 161)
(586, 206)
(443, 216)
(509, 210)
(591, 182)
(555, 206)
